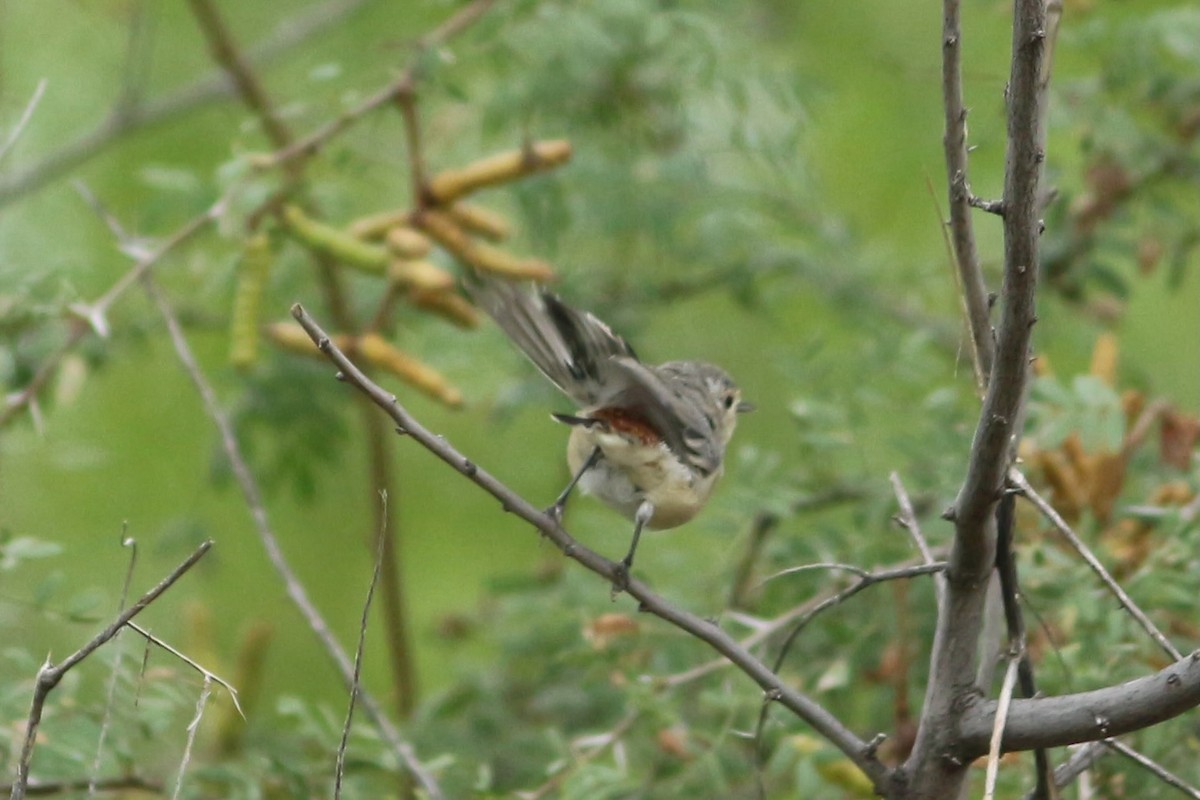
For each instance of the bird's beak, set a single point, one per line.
(745, 408)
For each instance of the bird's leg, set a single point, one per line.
(644, 513)
(556, 510)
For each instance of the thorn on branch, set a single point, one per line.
(990, 206)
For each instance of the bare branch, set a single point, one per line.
(1086, 716)
(1159, 771)
(990, 450)
(258, 511)
(50, 675)
(125, 119)
(803, 706)
(1020, 481)
(962, 233)
(954, 656)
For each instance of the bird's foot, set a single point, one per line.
(555, 512)
(620, 577)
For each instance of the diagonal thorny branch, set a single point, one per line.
(858, 750)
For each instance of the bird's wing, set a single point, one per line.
(677, 409)
(572, 348)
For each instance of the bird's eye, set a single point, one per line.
(728, 402)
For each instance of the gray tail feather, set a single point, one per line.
(572, 348)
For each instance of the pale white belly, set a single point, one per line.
(631, 472)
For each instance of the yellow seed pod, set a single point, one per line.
(480, 255)
(448, 186)
(420, 274)
(446, 304)
(253, 270)
(407, 243)
(501, 262)
(290, 336)
(380, 353)
(374, 227)
(333, 242)
(481, 221)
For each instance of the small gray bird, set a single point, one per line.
(647, 440)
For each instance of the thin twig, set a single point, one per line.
(308, 146)
(606, 741)
(208, 675)
(23, 120)
(1009, 584)
(741, 594)
(230, 57)
(127, 783)
(908, 520)
(1019, 480)
(962, 233)
(94, 316)
(50, 675)
(1006, 692)
(106, 718)
(201, 702)
(340, 767)
(124, 120)
(258, 511)
(763, 630)
(1080, 761)
(1159, 771)
(250, 89)
(865, 579)
(803, 706)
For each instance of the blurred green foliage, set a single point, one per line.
(750, 185)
